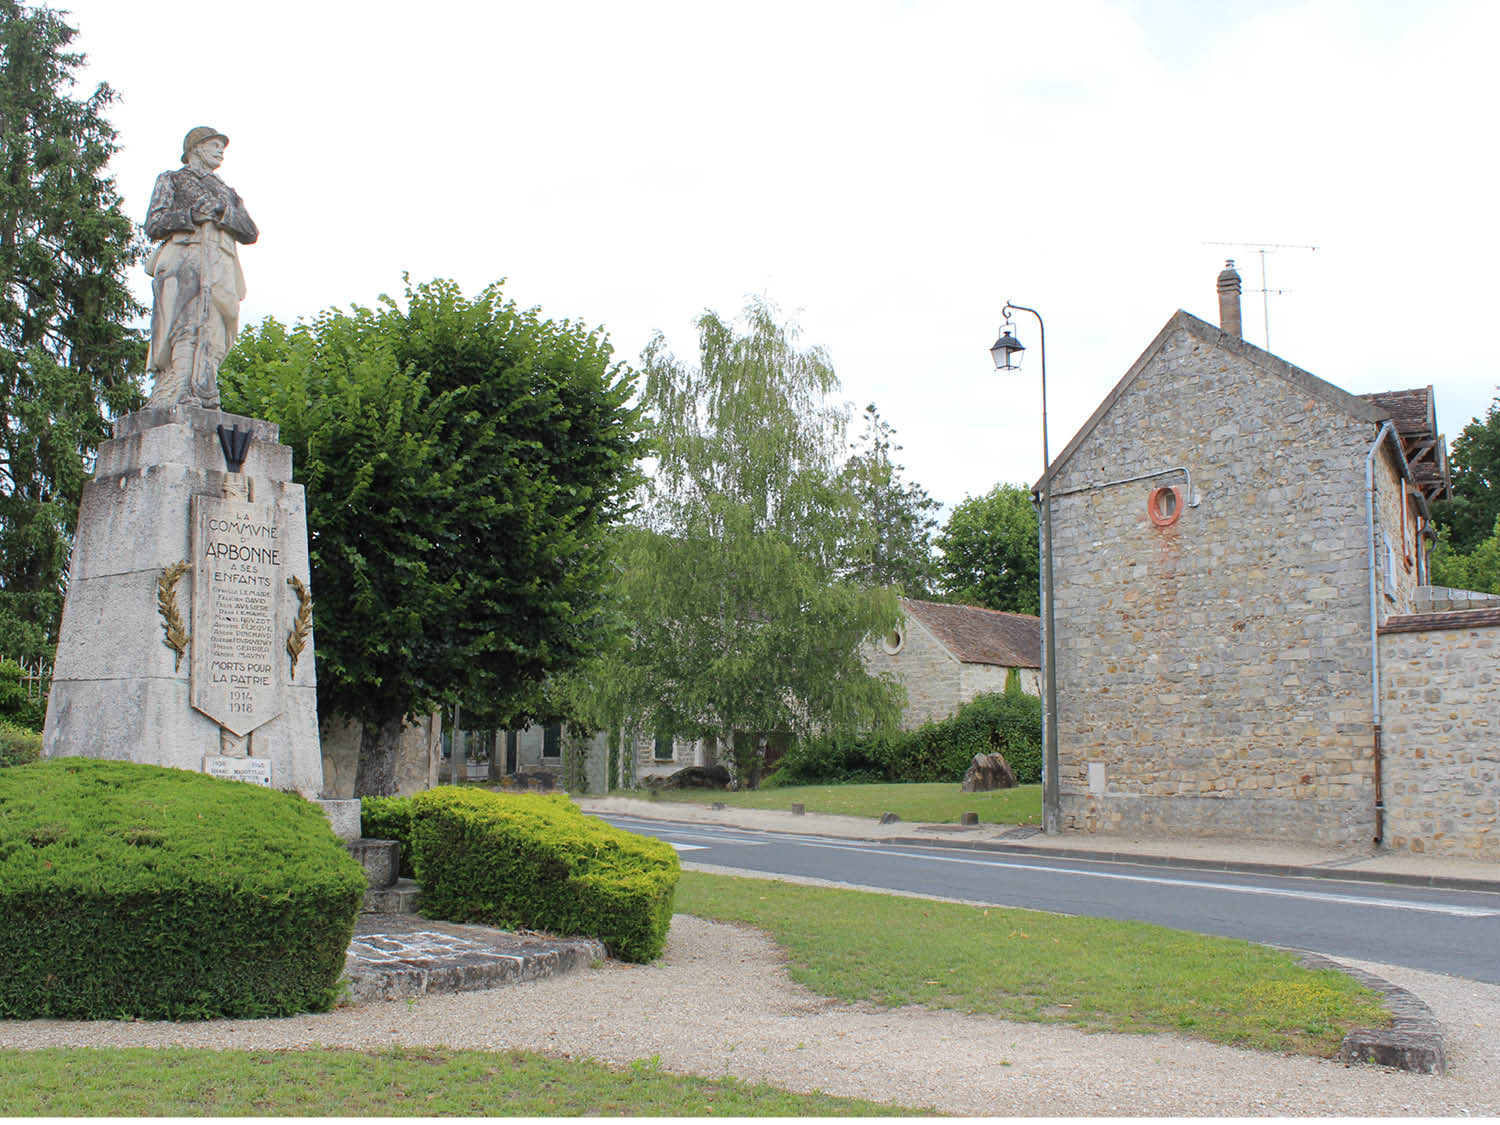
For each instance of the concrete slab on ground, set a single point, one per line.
(394, 956)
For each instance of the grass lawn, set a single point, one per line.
(920, 802)
(176, 1082)
(1094, 973)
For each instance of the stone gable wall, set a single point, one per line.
(932, 676)
(1440, 695)
(1216, 673)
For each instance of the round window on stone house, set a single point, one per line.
(1164, 505)
(894, 641)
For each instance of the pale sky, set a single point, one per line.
(889, 174)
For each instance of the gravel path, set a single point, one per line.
(719, 1002)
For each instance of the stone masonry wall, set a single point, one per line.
(938, 683)
(933, 678)
(1440, 692)
(977, 678)
(1214, 675)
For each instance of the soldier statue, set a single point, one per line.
(196, 221)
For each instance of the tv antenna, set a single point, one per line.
(1264, 248)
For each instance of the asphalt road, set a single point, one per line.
(1454, 932)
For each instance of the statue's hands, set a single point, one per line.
(210, 207)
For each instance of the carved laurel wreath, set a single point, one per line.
(175, 631)
(296, 640)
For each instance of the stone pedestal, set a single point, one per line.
(118, 689)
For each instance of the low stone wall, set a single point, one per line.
(1444, 599)
(1440, 697)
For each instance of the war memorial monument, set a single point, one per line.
(186, 635)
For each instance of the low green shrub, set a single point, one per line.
(1008, 723)
(389, 818)
(18, 745)
(17, 706)
(537, 862)
(134, 891)
(832, 760)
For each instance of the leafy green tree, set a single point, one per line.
(1470, 516)
(891, 544)
(68, 359)
(741, 627)
(1479, 569)
(989, 551)
(462, 460)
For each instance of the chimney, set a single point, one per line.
(1229, 299)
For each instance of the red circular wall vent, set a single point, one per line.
(1164, 505)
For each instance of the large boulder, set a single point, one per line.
(698, 777)
(988, 771)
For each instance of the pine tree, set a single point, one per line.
(891, 544)
(69, 359)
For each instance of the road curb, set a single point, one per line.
(1436, 882)
(1413, 1042)
(1244, 867)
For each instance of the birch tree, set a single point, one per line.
(741, 628)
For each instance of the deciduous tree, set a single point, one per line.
(462, 460)
(1469, 518)
(742, 628)
(1478, 569)
(989, 551)
(69, 359)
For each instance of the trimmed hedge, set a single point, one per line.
(529, 861)
(135, 891)
(1009, 723)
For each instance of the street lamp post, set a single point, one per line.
(1004, 350)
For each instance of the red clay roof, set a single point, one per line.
(1426, 451)
(982, 636)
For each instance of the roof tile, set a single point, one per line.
(982, 636)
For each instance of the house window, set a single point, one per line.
(1164, 505)
(894, 641)
(663, 748)
(552, 741)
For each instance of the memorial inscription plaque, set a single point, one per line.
(237, 584)
(257, 771)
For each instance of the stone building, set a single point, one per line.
(945, 655)
(1231, 535)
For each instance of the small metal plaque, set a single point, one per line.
(257, 771)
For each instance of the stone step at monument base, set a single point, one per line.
(399, 898)
(393, 957)
(381, 860)
(343, 817)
